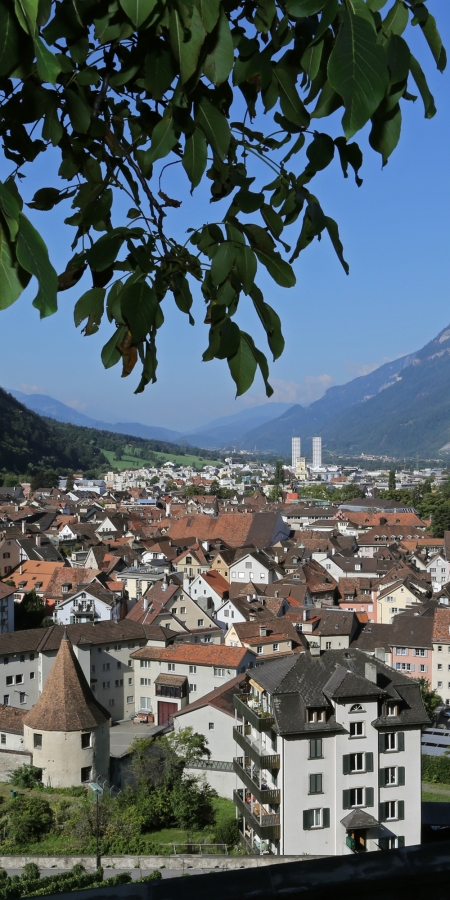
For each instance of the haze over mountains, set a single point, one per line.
(400, 409)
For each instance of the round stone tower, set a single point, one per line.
(67, 730)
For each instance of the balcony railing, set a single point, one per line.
(267, 827)
(262, 759)
(249, 709)
(263, 794)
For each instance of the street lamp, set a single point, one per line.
(98, 791)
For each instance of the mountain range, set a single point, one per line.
(401, 409)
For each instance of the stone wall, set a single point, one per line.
(11, 760)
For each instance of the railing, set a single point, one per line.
(259, 756)
(249, 709)
(262, 794)
(217, 765)
(266, 827)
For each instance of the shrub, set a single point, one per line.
(29, 818)
(26, 777)
(227, 832)
(30, 872)
(435, 769)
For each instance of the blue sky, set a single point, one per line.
(396, 298)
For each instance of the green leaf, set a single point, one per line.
(264, 369)
(350, 155)
(385, 133)
(47, 65)
(79, 113)
(183, 296)
(104, 252)
(26, 11)
(333, 232)
(159, 71)
(110, 354)
(277, 267)
(138, 10)
(113, 309)
(219, 62)
(296, 147)
(47, 198)
(427, 97)
(320, 151)
(32, 254)
(52, 129)
(396, 19)
(357, 70)
(190, 50)
(90, 306)
(246, 266)
(164, 138)
(272, 219)
(243, 367)
(13, 279)
(138, 303)
(301, 8)
(9, 42)
(270, 321)
(290, 102)
(248, 201)
(214, 126)
(311, 59)
(434, 41)
(223, 262)
(195, 157)
(10, 209)
(148, 370)
(399, 59)
(209, 12)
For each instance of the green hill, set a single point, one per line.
(29, 442)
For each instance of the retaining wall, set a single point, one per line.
(150, 862)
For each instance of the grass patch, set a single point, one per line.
(434, 797)
(223, 809)
(132, 462)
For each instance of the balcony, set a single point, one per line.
(267, 827)
(263, 760)
(254, 784)
(249, 708)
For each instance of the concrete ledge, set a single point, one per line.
(223, 863)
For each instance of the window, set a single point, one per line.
(391, 741)
(248, 565)
(439, 648)
(439, 666)
(86, 774)
(211, 726)
(19, 679)
(3, 738)
(37, 741)
(110, 702)
(200, 623)
(315, 784)
(6, 660)
(130, 699)
(192, 670)
(356, 708)
(22, 657)
(315, 748)
(5, 699)
(174, 612)
(193, 688)
(219, 673)
(440, 684)
(356, 729)
(105, 667)
(420, 652)
(171, 667)
(105, 685)
(118, 682)
(327, 645)
(130, 681)
(145, 663)
(22, 697)
(316, 818)
(356, 762)
(9, 679)
(391, 810)
(119, 665)
(85, 740)
(259, 648)
(146, 681)
(276, 647)
(356, 797)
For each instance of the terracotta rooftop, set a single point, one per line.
(441, 630)
(212, 655)
(67, 702)
(12, 719)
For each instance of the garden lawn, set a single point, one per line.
(429, 797)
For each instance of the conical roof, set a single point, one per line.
(67, 702)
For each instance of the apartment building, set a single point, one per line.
(440, 678)
(328, 755)
(169, 678)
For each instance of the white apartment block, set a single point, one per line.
(296, 450)
(316, 452)
(328, 756)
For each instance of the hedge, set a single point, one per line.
(435, 769)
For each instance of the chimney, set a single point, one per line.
(249, 598)
(370, 672)
(20, 569)
(38, 540)
(276, 559)
(168, 510)
(145, 604)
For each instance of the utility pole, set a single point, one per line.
(98, 791)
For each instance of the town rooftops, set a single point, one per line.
(213, 655)
(67, 702)
(11, 719)
(220, 698)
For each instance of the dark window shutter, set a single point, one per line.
(400, 842)
(346, 799)
(382, 777)
(383, 843)
(306, 820)
(369, 762)
(400, 740)
(326, 818)
(401, 775)
(319, 787)
(346, 764)
(382, 816)
(382, 742)
(319, 753)
(401, 809)
(369, 796)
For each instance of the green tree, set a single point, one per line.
(69, 482)
(430, 698)
(391, 482)
(114, 92)
(154, 480)
(29, 613)
(118, 455)
(29, 818)
(44, 479)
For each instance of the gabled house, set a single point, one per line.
(270, 638)
(209, 590)
(255, 566)
(91, 603)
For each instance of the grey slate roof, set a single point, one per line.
(358, 818)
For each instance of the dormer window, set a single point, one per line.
(313, 716)
(356, 708)
(392, 709)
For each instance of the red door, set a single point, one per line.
(166, 711)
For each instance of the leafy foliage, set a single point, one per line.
(28, 818)
(26, 777)
(435, 769)
(118, 91)
(430, 697)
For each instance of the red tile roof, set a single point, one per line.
(213, 655)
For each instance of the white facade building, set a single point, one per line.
(296, 450)
(316, 452)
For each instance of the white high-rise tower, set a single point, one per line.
(316, 452)
(296, 450)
